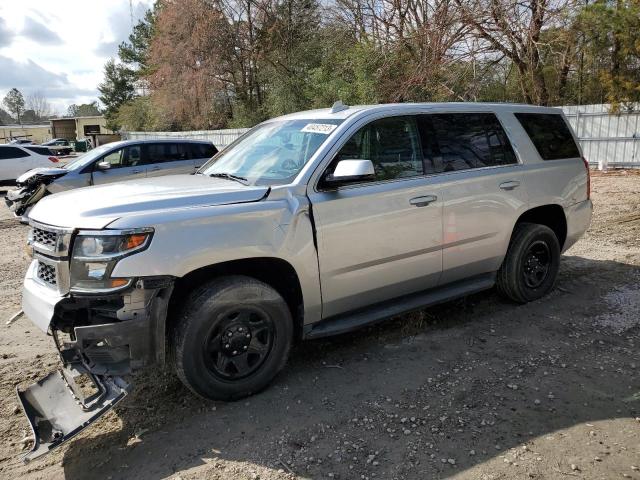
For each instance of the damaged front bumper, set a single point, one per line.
(57, 409)
(98, 337)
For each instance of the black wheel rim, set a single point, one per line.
(239, 343)
(536, 264)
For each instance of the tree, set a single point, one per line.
(83, 110)
(514, 29)
(613, 32)
(5, 118)
(137, 114)
(37, 102)
(116, 89)
(14, 101)
(135, 52)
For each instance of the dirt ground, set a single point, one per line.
(479, 388)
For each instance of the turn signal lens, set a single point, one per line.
(118, 282)
(53, 159)
(135, 240)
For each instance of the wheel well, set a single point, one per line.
(275, 272)
(550, 215)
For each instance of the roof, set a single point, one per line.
(327, 113)
(46, 125)
(76, 118)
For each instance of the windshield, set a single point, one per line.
(272, 153)
(88, 157)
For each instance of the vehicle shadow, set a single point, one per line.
(474, 374)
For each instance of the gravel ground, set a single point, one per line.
(479, 388)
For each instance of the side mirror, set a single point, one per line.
(103, 165)
(351, 171)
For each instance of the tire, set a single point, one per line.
(530, 268)
(257, 328)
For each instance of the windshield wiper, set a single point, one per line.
(230, 176)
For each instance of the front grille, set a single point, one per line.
(47, 273)
(44, 237)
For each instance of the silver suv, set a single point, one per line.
(311, 224)
(110, 163)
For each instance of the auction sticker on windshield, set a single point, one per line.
(324, 128)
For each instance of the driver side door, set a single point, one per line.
(126, 163)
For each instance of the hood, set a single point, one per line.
(36, 173)
(98, 206)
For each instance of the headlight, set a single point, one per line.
(96, 253)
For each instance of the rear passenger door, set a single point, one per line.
(167, 158)
(481, 184)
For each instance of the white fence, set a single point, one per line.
(606, 139)
(220, 138)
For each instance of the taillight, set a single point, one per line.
(54, 159)
(586, 165)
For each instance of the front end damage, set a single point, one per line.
(100, 339)
(30, 188)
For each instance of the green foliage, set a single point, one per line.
(134, 52)
(116, 89)
(5, 118)
(14, 101)
(613, 33)
(83, 110)
(137, 115)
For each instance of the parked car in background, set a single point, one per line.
(61, 146)
(309, 225)
(113, 162)
(21, 141)
(16, 159)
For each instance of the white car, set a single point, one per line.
(18, 159)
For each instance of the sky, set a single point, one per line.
(59, 47)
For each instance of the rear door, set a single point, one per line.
(14, 161)
(482, 191)
(126, 164)
(167, 158)
(377, 240)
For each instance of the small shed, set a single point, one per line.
(80, 128)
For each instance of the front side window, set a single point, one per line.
(272, 153)
(124, 157)
(392, 144)
(550, 135)
(461, 141)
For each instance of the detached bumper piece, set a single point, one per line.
(57, 409)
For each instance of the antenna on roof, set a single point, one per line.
(338, 107)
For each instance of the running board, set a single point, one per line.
(351, 321)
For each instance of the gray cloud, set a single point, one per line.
(30, 76)
(40, 33)
(6, 35)
(120, 26)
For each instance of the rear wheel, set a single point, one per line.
(531, 265)
(233, 337)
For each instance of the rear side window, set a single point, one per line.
(202, 150)
(39, 150)
(550, 135)
(167, 152)
(461, 141)
(12, 152)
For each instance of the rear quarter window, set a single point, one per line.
(39, 150)
(550, 135)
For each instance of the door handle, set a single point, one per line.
(423, 201)
(510, 185)
(198, 166)
(136, 171)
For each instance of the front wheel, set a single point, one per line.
(531, 265)
(233, 337)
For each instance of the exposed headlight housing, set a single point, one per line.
(96, 253)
